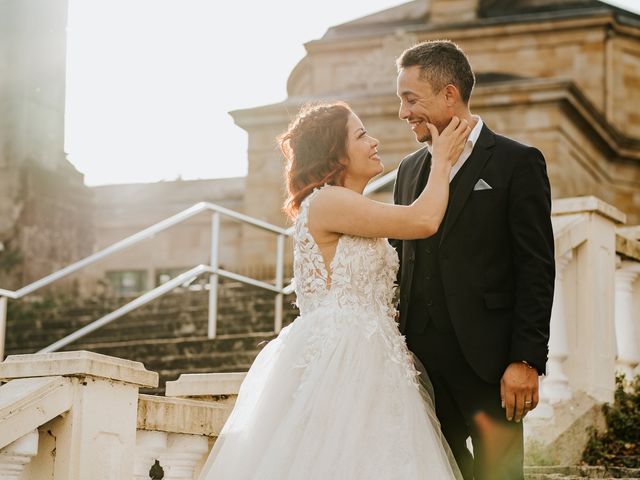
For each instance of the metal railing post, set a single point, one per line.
(279, 283)
(3, 325)
(213, 278)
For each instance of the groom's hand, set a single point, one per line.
(519, 390)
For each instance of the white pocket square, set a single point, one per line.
(481, 185)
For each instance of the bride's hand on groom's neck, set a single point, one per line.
(448, 145)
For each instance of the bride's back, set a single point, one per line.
(361, 274)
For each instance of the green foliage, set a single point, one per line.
(619, 444)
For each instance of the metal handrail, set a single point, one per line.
(160, 290)
(214, 271)
(136, 238)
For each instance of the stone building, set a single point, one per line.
(563, 75)
(45, 209)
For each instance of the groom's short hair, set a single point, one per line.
(441, 63)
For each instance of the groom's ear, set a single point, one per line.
(451, 95)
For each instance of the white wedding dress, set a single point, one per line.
(336, 395)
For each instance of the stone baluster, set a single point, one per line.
(17, 455)
(96, 438)
(149, 446)
(628, 356)
(183, 455)
(555, 387)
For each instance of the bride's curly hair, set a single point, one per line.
(313, 146)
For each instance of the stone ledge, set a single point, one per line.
(628, 247)
(180, 415)
(205, 384)
(564, 206)
(80, 363)
(580, 472)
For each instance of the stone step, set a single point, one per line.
(148, 329)
(146, 323)
(580, 473)
(189, 347)
(168, 335)
(172, 357)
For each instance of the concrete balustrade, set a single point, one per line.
(582, 345)
(556, 384)
(149, 446)
(179, 430)
(79, 415)
(184, 454)
(17, 455)
(96, 436)
(627, 319)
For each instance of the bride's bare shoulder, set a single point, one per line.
(329, 195)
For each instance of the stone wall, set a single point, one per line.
(45, 220)
(561, 76)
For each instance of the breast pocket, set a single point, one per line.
(488, 203)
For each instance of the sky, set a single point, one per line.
(150, 82)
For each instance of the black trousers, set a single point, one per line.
(467, 406)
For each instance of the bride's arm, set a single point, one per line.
(341, 210)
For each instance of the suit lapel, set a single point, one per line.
(469, 175)
(410, 190)
(414, 181)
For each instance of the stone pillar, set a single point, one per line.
(555, 386)
(97, 437)
(15, 456)
(184, 453)
(628, 356)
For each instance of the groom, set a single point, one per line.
(475, 298)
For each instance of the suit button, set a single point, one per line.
(428, 251)
(428, 276)
(429, 303)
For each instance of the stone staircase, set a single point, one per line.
(580, 473)
(169, 335)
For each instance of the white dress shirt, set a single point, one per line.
(468, 148)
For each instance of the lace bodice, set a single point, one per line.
(362, 272)
(358, 288)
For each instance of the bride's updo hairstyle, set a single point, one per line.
(313, 146)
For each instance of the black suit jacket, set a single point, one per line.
(496, 254)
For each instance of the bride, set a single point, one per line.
(336, 395)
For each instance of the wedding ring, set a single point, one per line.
(527, 403)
